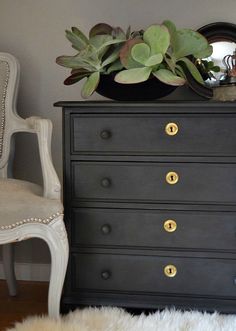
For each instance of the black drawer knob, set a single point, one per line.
(106, 182)
(105, 134)
(106, 274)
(106, 229)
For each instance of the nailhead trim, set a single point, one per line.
(32, 220)
(3, 107)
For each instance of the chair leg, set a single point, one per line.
(58, 246)
(8, 265)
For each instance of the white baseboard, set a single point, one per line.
(29, 271)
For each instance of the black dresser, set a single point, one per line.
(150, 204)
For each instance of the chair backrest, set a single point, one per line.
(9, 81)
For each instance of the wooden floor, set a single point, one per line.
(31, 300)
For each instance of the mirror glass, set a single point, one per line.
(222, 36)
(220, 50)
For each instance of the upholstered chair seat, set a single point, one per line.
(23, 202)
(26, 209)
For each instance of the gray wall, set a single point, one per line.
(34, 32)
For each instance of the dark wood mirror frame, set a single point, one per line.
(213, 32)
(219, 31)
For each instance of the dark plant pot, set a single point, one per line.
(149, 90)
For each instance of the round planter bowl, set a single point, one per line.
(151, 89)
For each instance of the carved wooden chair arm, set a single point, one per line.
(43, 129)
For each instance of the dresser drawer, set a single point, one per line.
(198, 135)
(148, 274)
(153, 229)
(207, 183)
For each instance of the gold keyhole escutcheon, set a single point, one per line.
(172, 178)
(171, 129)
(170, 225)
(170, 270)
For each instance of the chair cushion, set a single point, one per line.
(21, 200)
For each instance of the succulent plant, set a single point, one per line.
(164, 53)
(95, 55)
(161, 51)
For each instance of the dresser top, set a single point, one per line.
(149, 107)
(160, 103)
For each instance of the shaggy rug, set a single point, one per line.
(115, 319)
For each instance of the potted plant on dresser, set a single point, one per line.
(137, 65)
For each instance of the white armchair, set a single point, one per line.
(26, 209)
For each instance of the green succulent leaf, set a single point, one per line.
(89, 53)
(103, 48)
(98, 43)
(179, 71)
(118, 33)
(128, 32)
(112, 57)
(204, 53)
(79, 34)
(90, 85)
(158, 38)
(99, 40)
(112, 42)
(90, 58)
(192, 69)
(200, 89)
(171, 27)
(167, 77)
(100, 28)
(73, 62)
(125, 54)
(77, 38)
(76, 76)
(170, 62)
(209, 64)
(133, 76)
(188, 42)
(140, 52)
(154, 60)
(215, 69)
(116, 66)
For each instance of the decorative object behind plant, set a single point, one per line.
(226, 91)
(222, 37)
(161, 54)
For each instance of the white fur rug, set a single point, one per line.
(115, 319)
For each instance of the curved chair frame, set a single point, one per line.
(51, 229)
